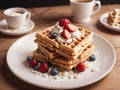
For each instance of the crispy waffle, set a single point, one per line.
(114, 17)
(46, 50)
(117, 11)
(63, 62)
(71, 50)
(111, 22)
(63, 55)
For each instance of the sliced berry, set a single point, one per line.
(33, 63)
(54, 34)
(43, 68)
(80, 67)
(36, 68)
(54, 71)
(29, 58)
(69, 28)
(65, 34)
(92, 58)
(64, 22)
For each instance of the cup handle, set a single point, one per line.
(98, 7)
(28, 16)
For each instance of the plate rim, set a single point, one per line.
(43, 86)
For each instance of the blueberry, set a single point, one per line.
(54, 34)
(36, 68)
(54, 71)
(29, 58)
(92, 58)
(48, 63)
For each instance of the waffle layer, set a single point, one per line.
(70, 51)
(64, 55)
(114, 17)
(63, 62)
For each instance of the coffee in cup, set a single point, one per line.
(16, 17)
(84, 9)
(82, 1)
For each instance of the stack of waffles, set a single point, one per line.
(114, 17)
(63, 55)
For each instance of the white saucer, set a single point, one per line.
(103, 21)
(29, 25)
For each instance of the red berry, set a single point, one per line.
(80, 67)
(43, 67)
(69, 28)
(65, 34)
(64, 22)
(33, 63)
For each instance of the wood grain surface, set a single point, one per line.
(45, 17)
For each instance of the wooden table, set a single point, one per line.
(47, 16)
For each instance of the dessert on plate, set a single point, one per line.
(114, 17)
(64, 45)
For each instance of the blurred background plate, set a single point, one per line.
(103, 21)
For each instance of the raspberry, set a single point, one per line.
(64, 22)
(33, 63)
(80, 67)
(43, 68)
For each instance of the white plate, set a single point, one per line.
(28, 26)
(103, 20)
(24, 47)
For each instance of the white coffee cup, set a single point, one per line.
(83, 9)
(16, 17)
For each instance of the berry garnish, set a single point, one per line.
(54, 71)
(80, 67)
(33, 63)
(92, 58)
(64, 22)
(29, 58)
(69, 28)
(65, 34)
(36, 68)
(48, 63)
(54, 34)
(43, 67)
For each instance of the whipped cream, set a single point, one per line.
(60, 39)
(59, 29)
